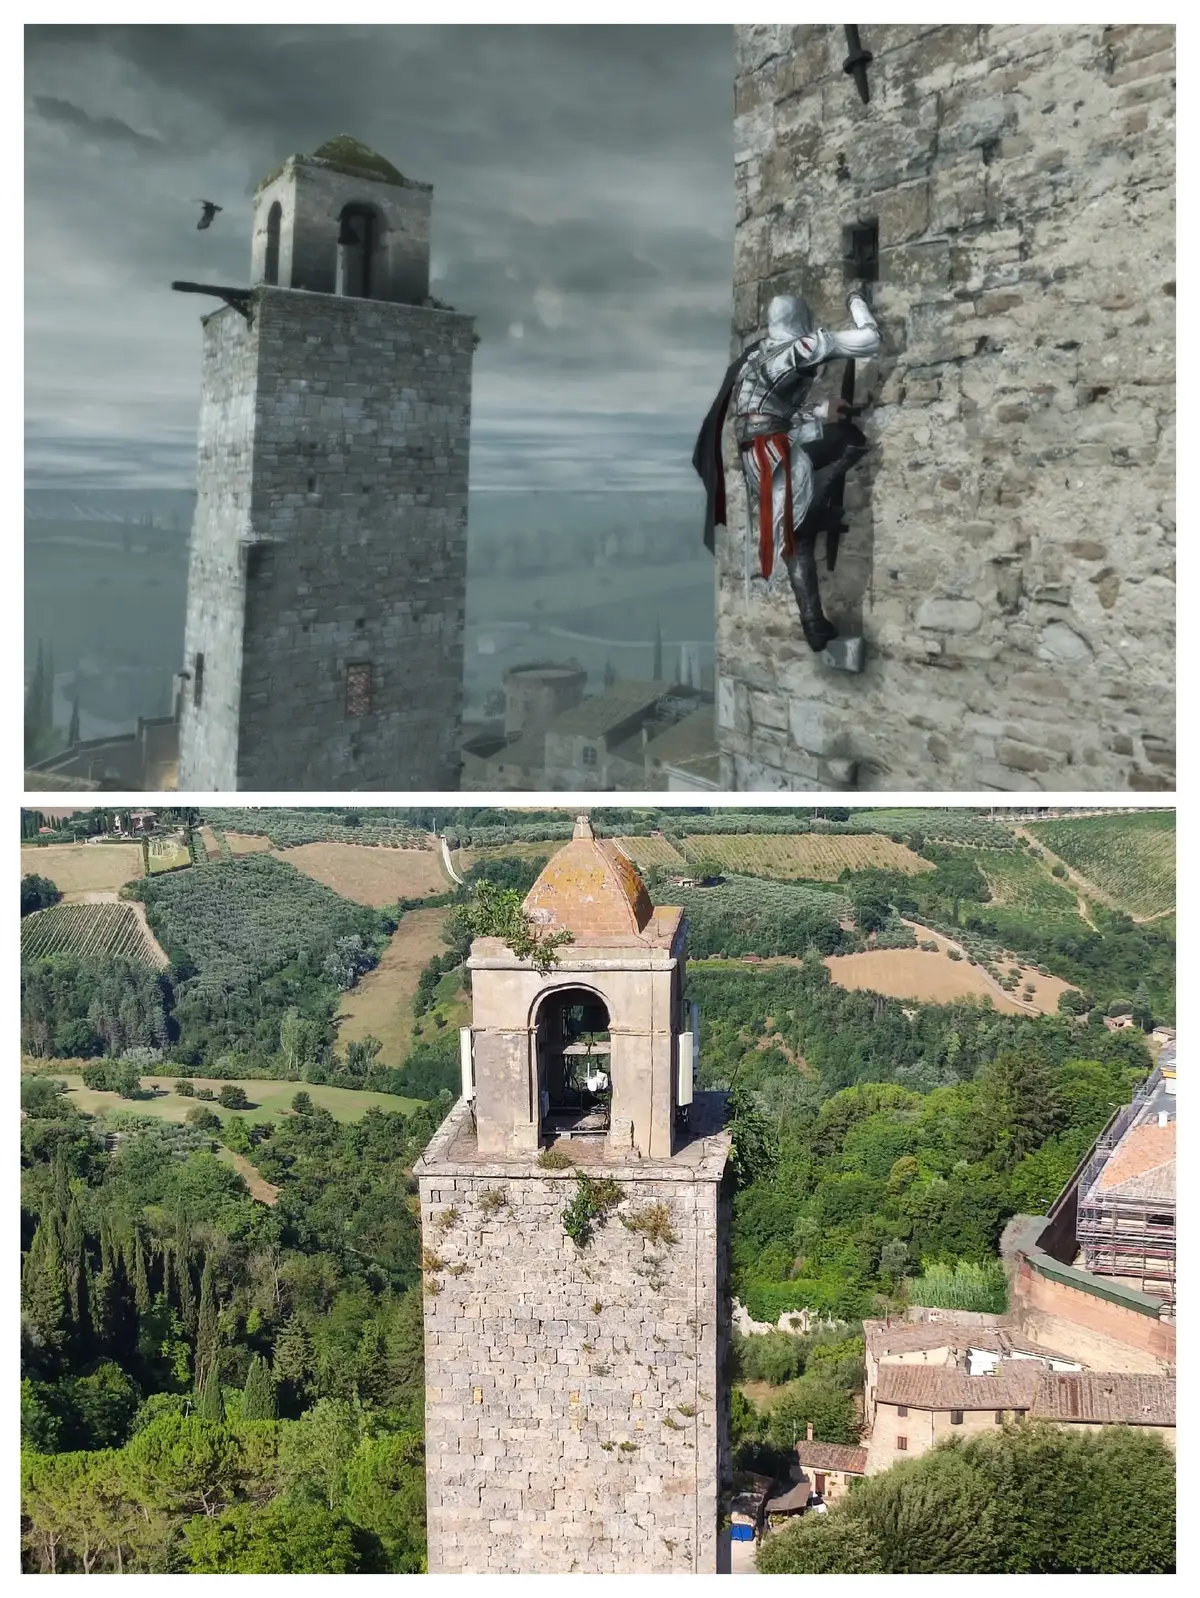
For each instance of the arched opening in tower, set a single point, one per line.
(574, 1076)
(357, 230)
(274, 221)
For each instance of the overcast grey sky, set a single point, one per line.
(583, 212)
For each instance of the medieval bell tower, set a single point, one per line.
(575, 1412)
(327, 580)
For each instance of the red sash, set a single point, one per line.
(766, 463)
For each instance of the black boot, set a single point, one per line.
(802, 573)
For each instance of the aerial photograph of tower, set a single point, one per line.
(652, 1190)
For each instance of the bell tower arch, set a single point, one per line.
(576, 1407)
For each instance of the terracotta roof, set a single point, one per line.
(832, 1456)
(1101, 1397)
(908, 1337)
(1143, 1164)
(934, 1387)
(911, 1337)
(592, 889)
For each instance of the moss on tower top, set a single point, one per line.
(347, 154)
(352, 155)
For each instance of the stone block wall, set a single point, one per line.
(350, 419)
(1010, 557)
(574, 1408)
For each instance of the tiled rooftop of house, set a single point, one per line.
(1105, 1398)
(1093, 1397)
(1143, 1164)
(935, 1387)
(832, 1456)
(906, 1337)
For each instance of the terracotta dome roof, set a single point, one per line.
(592, 890)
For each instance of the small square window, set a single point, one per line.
(956, 1416)
(902, 1409)
(589, 755)
(358, 689)
(902, 1444)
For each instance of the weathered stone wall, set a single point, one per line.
(573, 1412)
(1010, 554)
(351, 420)
(208, 733)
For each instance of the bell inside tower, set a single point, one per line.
(573, 1065)
(356, 242)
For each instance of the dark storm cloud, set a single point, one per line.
(98, 127)
(583, 213)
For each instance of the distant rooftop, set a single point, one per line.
(596, 717)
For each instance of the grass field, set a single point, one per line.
(76, 867)
(370, 874)
(381, 1004)
(89, 931)
(464, 859)
(247, 843)
(1129, 858)
(813, 857)
(168, 854)
(270, 1099)
(1021, 882)
(930, 978)
(647, 852)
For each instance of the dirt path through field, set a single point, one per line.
(258, 1185)
(381, 1004)
(1078, 882)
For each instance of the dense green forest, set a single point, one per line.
(891, 1134)
(212, 1384)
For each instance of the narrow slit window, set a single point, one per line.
(358, 689)
(198, 681)
(860, 252)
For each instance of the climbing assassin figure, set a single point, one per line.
(795, 455)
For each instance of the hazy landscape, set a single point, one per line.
(590, 577)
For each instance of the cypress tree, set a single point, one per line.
(258, 1395)
(210, 1405)
(44, 1289)
(141, 1287)
(206, 1329)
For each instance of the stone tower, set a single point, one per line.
(327, 584)
(575, 1409)
(1010, 554)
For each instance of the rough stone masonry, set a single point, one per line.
(1010, 557)
(574, 1396)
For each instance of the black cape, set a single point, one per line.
(707, 456)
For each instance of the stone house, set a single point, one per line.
(915, 1408)
(822, 1470)
(948, 1343)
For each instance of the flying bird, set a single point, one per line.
(210, 210)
